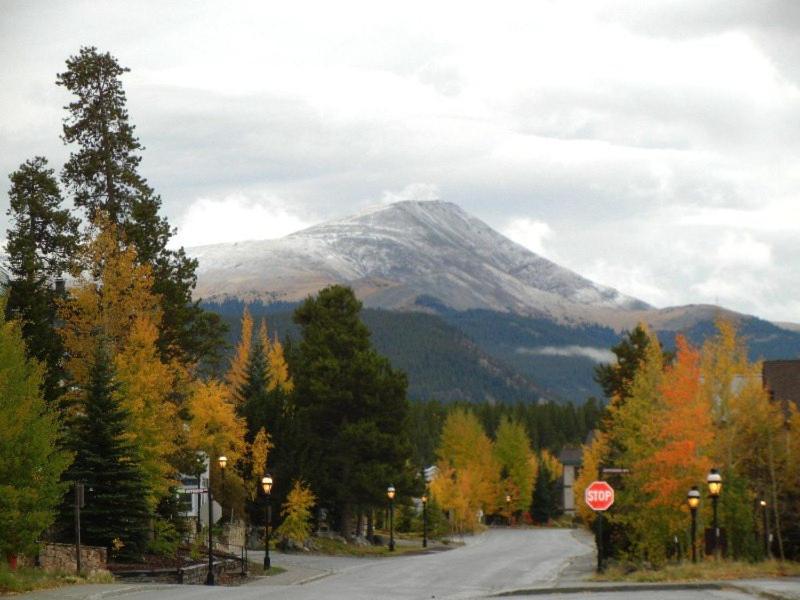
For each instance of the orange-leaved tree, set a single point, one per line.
(683, 439)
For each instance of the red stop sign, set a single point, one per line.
(599, 495)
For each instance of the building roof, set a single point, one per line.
(571, 456)
(782, 379)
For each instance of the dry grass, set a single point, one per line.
(703, 571)
(339, 548)
(26, 579)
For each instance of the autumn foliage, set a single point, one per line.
(705, 408)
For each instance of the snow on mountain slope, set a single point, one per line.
(395, 253)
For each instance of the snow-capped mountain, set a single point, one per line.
(394, 254)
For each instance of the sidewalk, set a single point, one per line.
(293, 575)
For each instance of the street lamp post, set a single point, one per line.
(714, 481)
(266, 485)
(763, 504)
(693, 500)
(223, 462)
(390, 491)
(424, 520)
(508, 508)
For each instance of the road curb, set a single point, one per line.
(766, 594)
(128, 590)
(313, 578)
(649, 587)
(633, 587)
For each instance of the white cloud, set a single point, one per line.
(742, 249)
(234, 218)
(598, 355)
(529, 233)
(413, 191)
(658, 139)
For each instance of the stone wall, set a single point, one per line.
(196, 574)
(61, 557)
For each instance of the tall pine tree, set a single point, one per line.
(351, 409)
(616, 379)
(116, 498)
(103, 176)
(41, 241)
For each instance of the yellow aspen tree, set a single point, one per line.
(109, 295)
(467, 460)
(296, 513)
(517, 462)
(277, 369)
(751, 446)
(214, 426)
(237, 373)
(215, 429)
(631, 437)
(145, 387)
(263, 336)
(724, 368)
(257, 459)
(595, 454)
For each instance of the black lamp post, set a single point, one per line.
(693, 500)
(508, 508)
(223, 461)
(714, 481)
(424, 520)
(763, 504)
(390, 491)
(266, 485)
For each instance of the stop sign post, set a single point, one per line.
(599, 497)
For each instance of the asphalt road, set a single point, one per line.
(497, 561)
(492, 562)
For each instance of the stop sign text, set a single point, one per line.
(599, 495)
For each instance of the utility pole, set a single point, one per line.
(210, 576)
(79, 503)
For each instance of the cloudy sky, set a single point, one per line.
(656, 150)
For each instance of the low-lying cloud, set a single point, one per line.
(598, 355)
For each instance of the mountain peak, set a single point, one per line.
(392, 254)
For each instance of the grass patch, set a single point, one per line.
(26, 579)
(703, 571)
(257, 570)
(337, 547)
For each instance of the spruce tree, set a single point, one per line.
(253, 391)
(31, 459)
(616, 379)
(263, 404)
(106, 462)
(41, 242)
(545, 504)
(351, 409)
(103, 176)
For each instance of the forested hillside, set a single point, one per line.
(483, 355)
(441, 362)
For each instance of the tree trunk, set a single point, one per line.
(345, 522)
